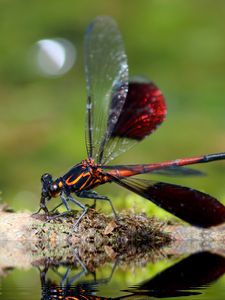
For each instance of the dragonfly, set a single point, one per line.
(121, 112)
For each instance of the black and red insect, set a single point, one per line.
(119, 113)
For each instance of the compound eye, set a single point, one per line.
(46, 178)
(54, 189)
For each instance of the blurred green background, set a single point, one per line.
(178, 44)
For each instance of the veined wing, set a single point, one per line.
(106, 73)
(143, 111)
(117, 116)
(190, 205)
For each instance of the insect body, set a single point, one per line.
(84, 176)
(120, 113)
(79, 180)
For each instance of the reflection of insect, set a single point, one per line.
(70, 285)
(185, 278)
(120, 114)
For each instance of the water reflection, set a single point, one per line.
(182, 279)
(69, 286)
(185, 278)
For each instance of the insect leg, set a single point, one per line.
(94, 195)
(80, 274)
(93, 205)
(65, 202)
(42, 206)
(85, 209)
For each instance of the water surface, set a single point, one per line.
(195, 276)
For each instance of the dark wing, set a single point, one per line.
(143, 111)
(106, 73)
(190, 205)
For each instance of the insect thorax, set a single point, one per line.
(84, 176)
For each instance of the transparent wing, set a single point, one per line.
(106, 73)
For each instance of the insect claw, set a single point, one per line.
(42, 207)
(37, 212)
(116, 216)
(49, 218)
